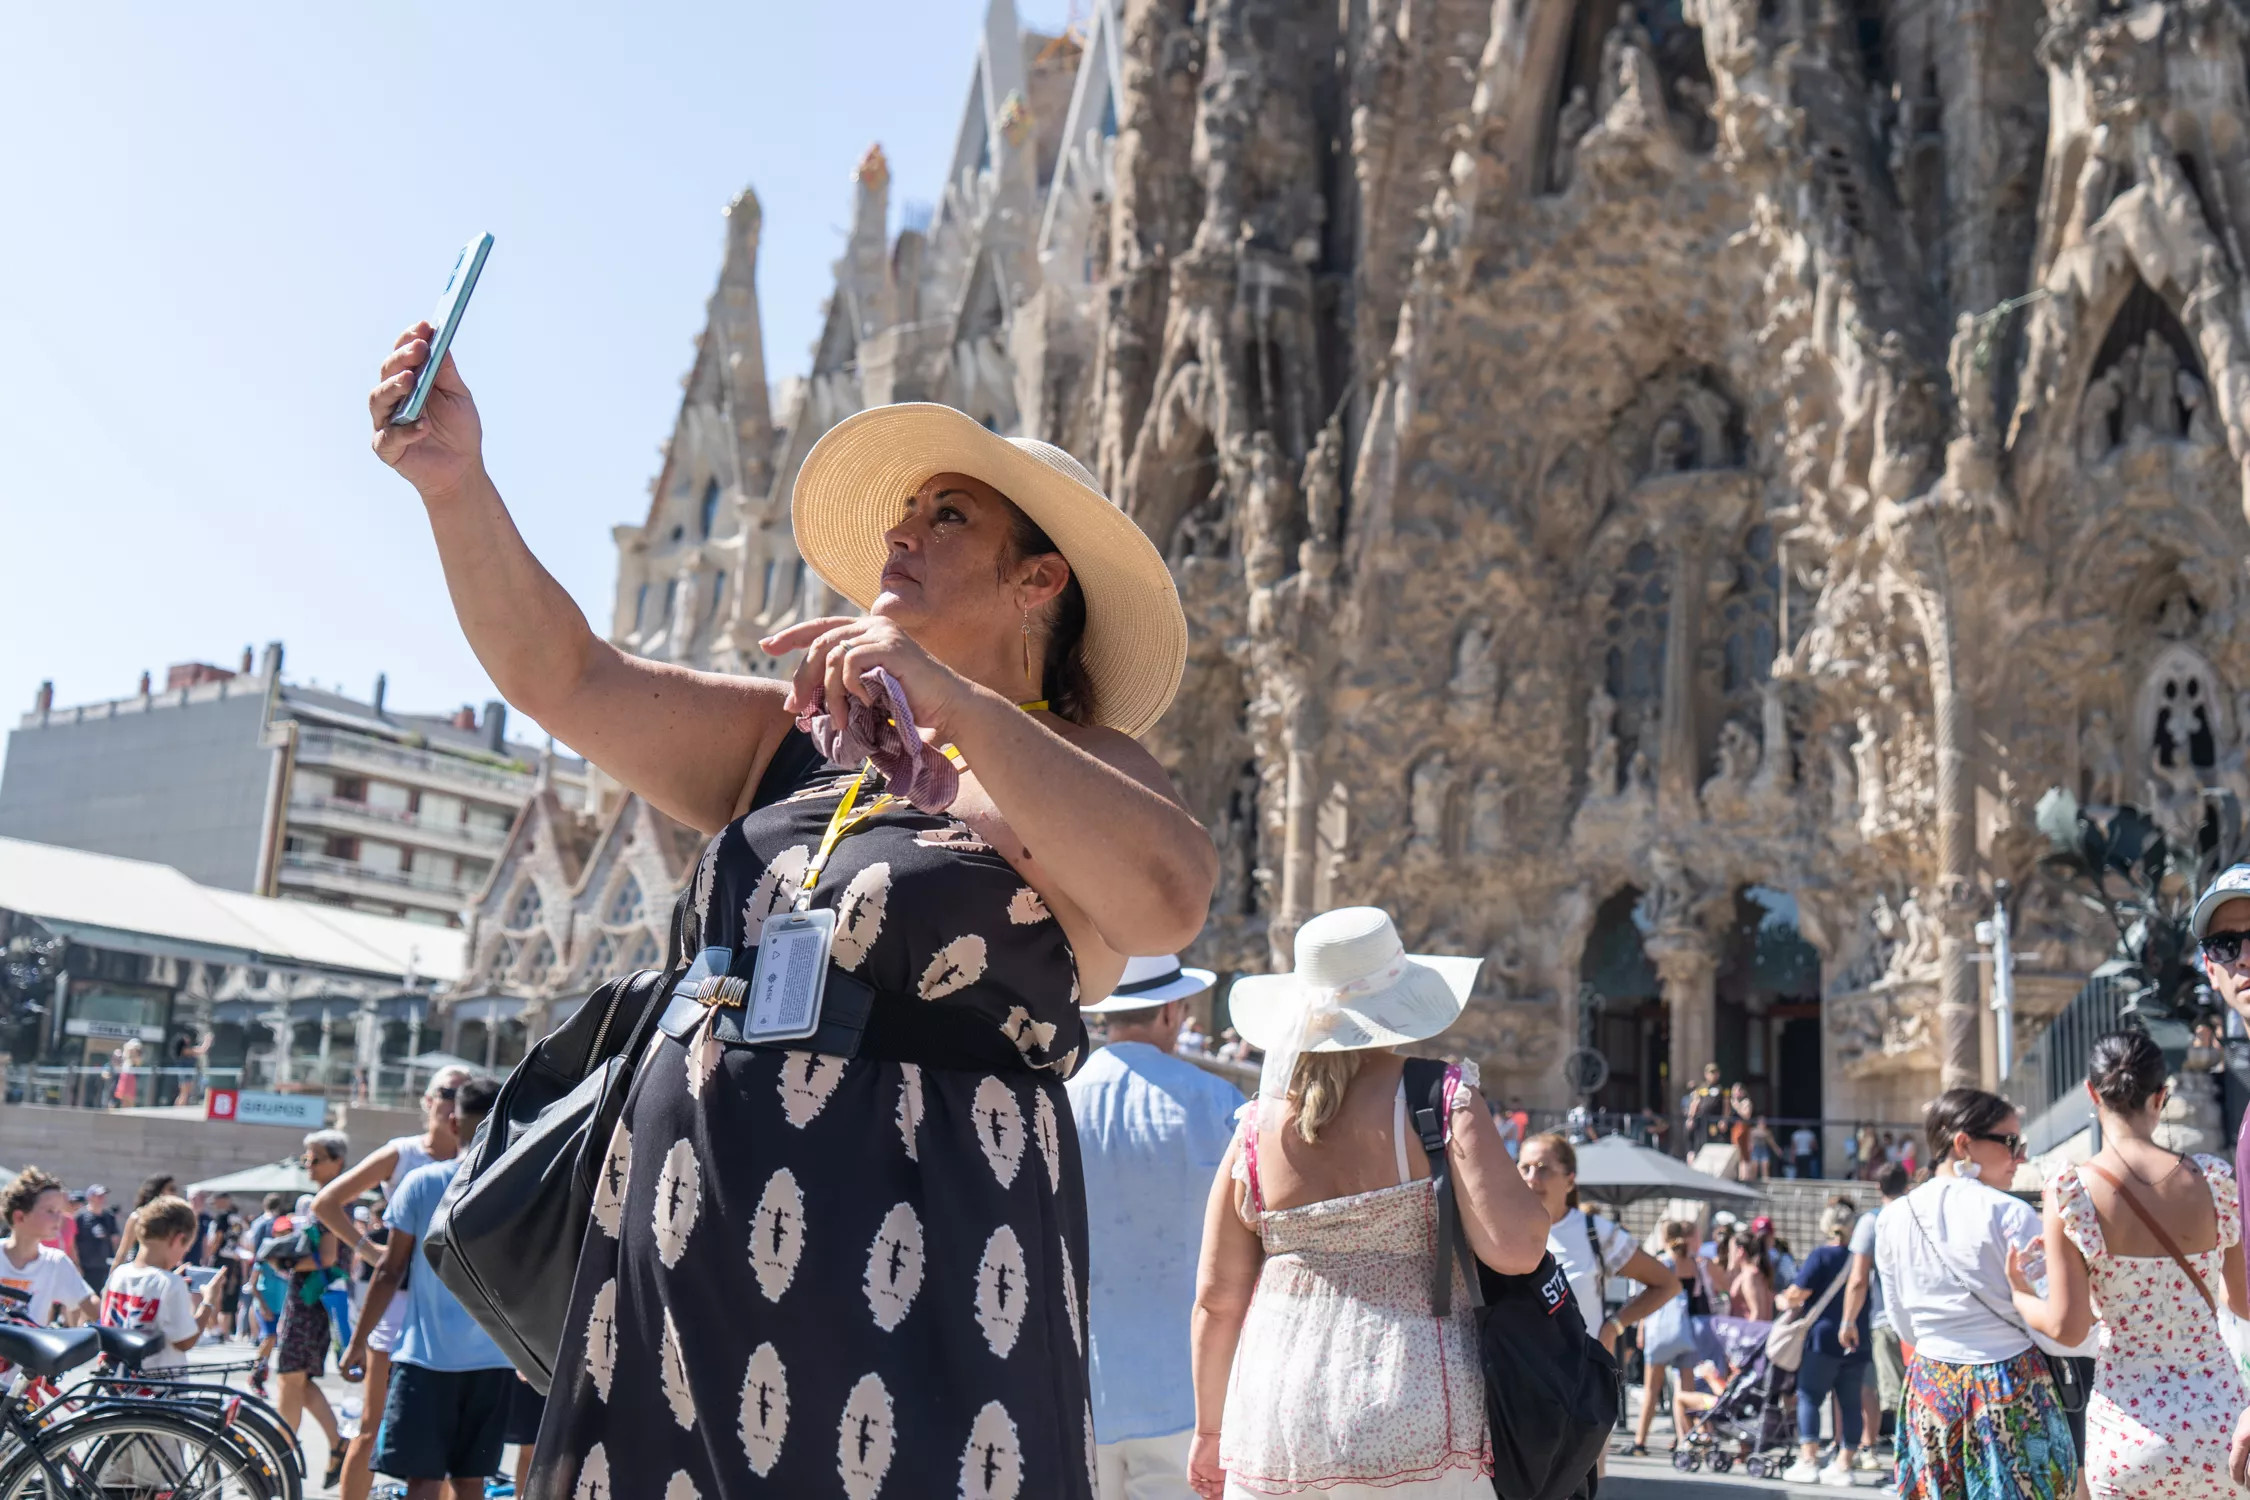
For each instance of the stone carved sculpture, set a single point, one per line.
(1488, 815)
(1738, 753)
(1969, 362)
(1640, 775)
(1601, 742)
(2104, 762)
(1668, 903)
(1571, 125)
(1843, 778)
(1867, 763)
(1429, 789)
(1475, 684)
(2156, 396)
(2195, 400)
(2097, 415)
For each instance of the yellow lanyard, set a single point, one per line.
(843, 820)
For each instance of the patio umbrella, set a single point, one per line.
(255, 1182)
(1614, 1170)
(430, 1062)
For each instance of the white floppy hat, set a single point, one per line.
(1151, 982)
(1362, 987)
(853, 484)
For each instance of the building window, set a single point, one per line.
(1633, 651)
(603, 958)
(542, 959)
(624, 909)
(340, 846)
(350, 789)
(710, 507)
(718, 592)
(644, 954)
(523, 912)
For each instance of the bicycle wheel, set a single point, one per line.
(252, 1423)
(135, 1452)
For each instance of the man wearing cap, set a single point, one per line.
(1152, 1130)
(2221, 926)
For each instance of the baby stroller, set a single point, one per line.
(1753, 1421)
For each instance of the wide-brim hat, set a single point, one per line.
(1364, 988)
(1149, 982)
(852, 485)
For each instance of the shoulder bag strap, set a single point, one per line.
(1964, 1282)
(2171, 1246)
(1601, 1266)
(1835, 1285)
(1425, 1081)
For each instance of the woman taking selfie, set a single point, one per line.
(2138, 1239)
(1317, 1364)
(821, 1268)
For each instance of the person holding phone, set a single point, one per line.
(910, 1298)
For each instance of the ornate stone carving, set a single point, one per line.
(1488, 814)
(1601, 743)
(1430, 789)
(1475, 684)
(2104, 763)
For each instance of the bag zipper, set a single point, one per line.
(601, 1033)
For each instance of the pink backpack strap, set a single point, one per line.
(1250, 1155)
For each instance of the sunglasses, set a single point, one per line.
(446, 1094)
(2224, 947)
(2013, 1142)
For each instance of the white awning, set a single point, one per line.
(149, 907)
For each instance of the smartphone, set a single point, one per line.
(199, 1277)
(452, 302)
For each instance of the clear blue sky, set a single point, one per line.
(221, 214)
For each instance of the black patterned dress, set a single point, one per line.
(831, 1276)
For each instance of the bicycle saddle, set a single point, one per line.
(129, 1346)
(48, 1351)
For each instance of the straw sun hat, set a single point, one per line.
(1355, 986)
(853, 483)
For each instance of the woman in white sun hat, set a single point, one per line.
(1318, 1365)
(821, 1264)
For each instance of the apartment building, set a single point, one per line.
(248, 782)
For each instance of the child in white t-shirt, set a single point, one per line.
(38, 1283)
(149, 1292)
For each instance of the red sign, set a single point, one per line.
(220, 1105)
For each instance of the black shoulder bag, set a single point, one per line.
(506, 1236)
(1550, 1389)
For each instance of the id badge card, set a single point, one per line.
(791, 976)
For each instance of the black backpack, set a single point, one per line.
(1551, 1392)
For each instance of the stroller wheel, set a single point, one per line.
(1721, 1462)
(1757, 1468)
(1686, 1460)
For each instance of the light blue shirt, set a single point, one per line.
(438, 1333)
(1152, 1130)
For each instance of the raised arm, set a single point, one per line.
(687, 741)
(332, 1205)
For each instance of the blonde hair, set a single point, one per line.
(1317, 1085)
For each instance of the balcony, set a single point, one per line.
(325, 747)
(320, 872)
(335, 815)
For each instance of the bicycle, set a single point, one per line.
(113, 1447)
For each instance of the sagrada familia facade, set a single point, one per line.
(1659, 490)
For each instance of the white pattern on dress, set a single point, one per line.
(776, 889)
(681, 1487)
(910, 1108)
(1070, 1295)
(859, 915)
(765, 1409)
(865, 1437)
(1025, 908)
(703, 1053)
(1003, 1290)
(807, 1079)
(616, 1175)
(593, 1476)
(2166, 1392)
(999, 1127)
(955, 966)
(1049, 1136)
(992, 1463)
(777, 1234)
(679, 1200)
(601, 1338)
(894, 1266)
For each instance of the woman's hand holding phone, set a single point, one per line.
(445, 449)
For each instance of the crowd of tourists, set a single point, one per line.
(984, 1262)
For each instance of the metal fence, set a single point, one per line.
(391, 1085)
(1835, 1154)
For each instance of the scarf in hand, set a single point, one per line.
(884, 735)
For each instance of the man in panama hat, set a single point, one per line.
(1152, 1129)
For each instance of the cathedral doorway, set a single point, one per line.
(1625, 1019)
(1768, 993)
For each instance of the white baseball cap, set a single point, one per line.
(2233, 884)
